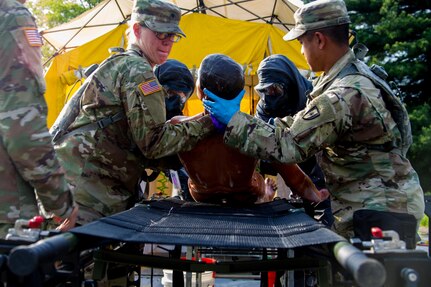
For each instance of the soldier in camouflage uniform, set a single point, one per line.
(116, 121)
(29, 170)
(359, 127)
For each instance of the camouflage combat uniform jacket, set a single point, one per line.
(28, 164)
(347, 124)
(104, 165)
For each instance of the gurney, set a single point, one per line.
(276, 227)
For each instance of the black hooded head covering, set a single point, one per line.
(175, 76)
(279, 69)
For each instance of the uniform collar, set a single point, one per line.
(135, 48)
(320, 83)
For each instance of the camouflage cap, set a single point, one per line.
(318, 14)
(159, 16)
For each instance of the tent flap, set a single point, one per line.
(94, 52)
(90, 25)
(243, 41)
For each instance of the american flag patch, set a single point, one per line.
(149, 87)
(33, 37)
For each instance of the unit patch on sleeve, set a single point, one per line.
(33, 37)
(149, 87)
(311, 114)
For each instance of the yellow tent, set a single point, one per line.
(108, 14)
(247, 43)
(61, 77)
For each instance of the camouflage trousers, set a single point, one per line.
(343, 215)
(343, 218)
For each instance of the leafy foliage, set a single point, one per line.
(421, 147)
(51, 13)
(398, 34)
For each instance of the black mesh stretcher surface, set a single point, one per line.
(275, 224)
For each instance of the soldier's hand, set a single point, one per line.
(69, 222)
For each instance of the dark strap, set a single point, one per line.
(347, 71)
(100, 124)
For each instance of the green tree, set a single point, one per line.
(51, 13)
(421, 147)
(398, 34)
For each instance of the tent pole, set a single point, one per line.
(83, 26)
(52, 56)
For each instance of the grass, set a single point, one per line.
(425, 221)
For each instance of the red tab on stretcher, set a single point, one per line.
(149, 87)
(33, 37)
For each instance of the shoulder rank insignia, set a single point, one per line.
(33, 37)
(149, 87)
(311, 114)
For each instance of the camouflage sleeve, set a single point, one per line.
(146, 115)
(27, 44)
(28, 145)
(314, 128)
(23, 116)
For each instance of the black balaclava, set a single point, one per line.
(279, 69)
(175, 76)
(221, 75)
